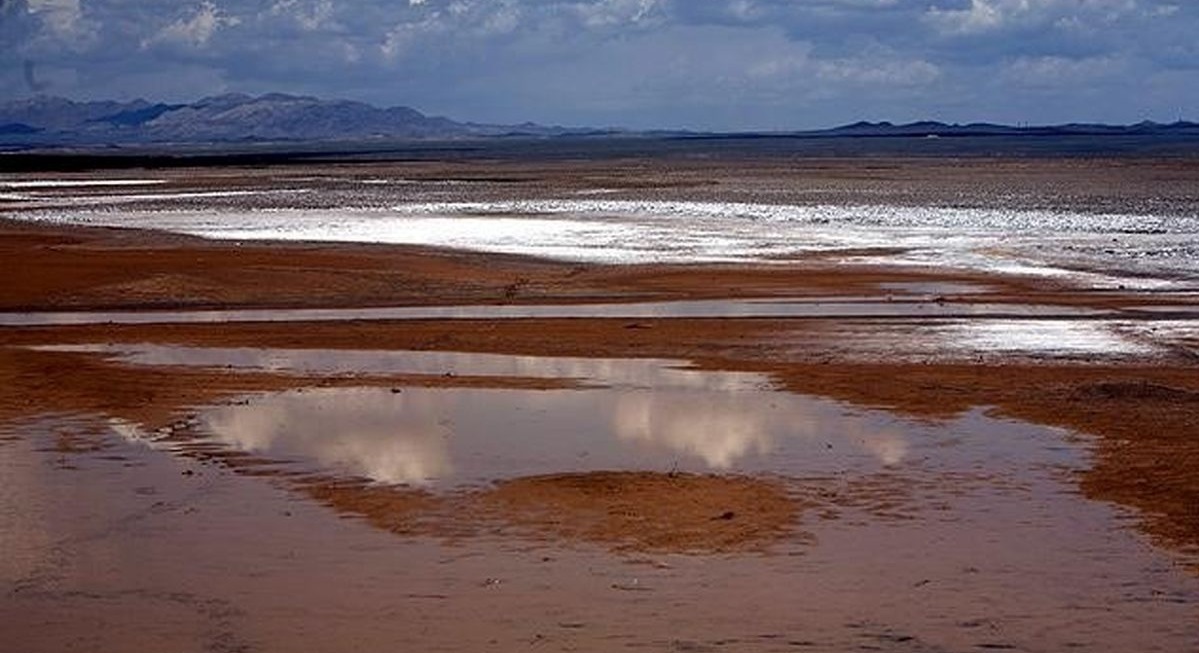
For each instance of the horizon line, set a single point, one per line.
(862, 122)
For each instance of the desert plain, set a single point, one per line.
(245, 443)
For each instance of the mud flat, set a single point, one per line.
(245, 445)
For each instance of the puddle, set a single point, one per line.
(631, 373)
(936, 288)
(724, 308)
(1165, 311)
(957, 340)
(636, 414)
(916, 340)
(901, 535)
(642, 414)
(455, 436)
(78, 183)
(1044, 337)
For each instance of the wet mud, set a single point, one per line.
(895, 480)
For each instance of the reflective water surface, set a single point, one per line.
(635, 414)
(721, 308)
(967, 533)
(930, 326)
(462, 435)
(634, 373)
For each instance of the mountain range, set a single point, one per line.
(275, 117)
(45, 121)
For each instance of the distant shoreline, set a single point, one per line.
(715, 146)
(236, 129)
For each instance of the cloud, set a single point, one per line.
(875, 68)
(63, 17)
(309, 16)
(457, 30)
(1056, 72)
(982, 16)
(880, 72)
(744, 10)
(406, 36)
(63, 23)
(724, 64)
(195, 30)
(614, 13)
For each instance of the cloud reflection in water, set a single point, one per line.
(630, 414)
(724, 429)
(720, 429)
(391, 438)
(413, 436)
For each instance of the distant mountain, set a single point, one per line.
(18, 128)
(940, 129)
(229, 118)
(45, 121)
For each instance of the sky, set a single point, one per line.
(699, 64)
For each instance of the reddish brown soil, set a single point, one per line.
(644, 511)
(1146, 416)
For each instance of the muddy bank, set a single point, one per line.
(626, 512)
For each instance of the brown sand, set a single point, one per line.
(630, 512)
(1145, 414)
(642, 511)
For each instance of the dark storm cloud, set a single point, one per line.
(721, 63)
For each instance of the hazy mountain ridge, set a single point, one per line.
(275, 117)
(45, 120)
(934, 128)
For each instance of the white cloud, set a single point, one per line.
(981, 16)
(64, 22)
(405, 36)
(880, 72)
(613, 13)
(196, 30)
(745, 10)
(454, 32)
(993, 15)
(879, 68)
(503, 20)
(863, 4)
(1055, 71)
(60, 15)
(310, 16)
